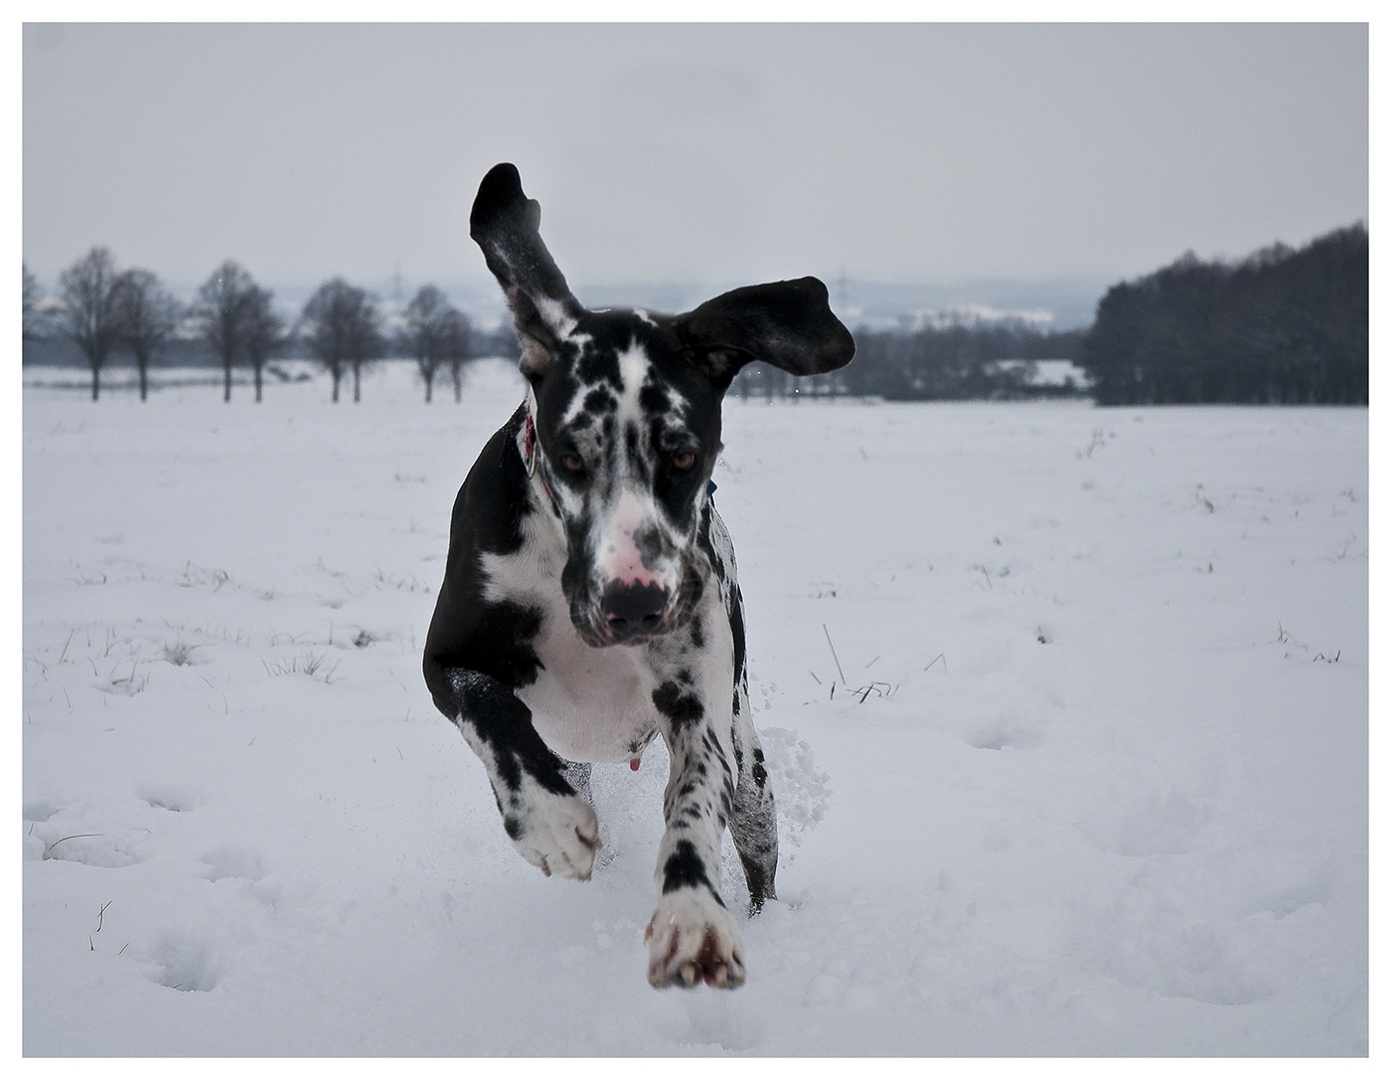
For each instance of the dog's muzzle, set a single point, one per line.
(632, 611)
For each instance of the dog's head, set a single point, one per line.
(626, 413)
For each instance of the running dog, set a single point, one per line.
(589, 599)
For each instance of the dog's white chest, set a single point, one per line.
(588, 704)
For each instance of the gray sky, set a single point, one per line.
(721, 153)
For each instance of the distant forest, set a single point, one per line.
(1283, 326)
(952, 358)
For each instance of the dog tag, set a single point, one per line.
(634, 763)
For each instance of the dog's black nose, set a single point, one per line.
(632, 610)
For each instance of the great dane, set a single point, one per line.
(589, 597)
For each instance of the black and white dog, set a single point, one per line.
(589, 598)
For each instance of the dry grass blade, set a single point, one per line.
(833, 652)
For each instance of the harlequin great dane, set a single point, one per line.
(589, 598)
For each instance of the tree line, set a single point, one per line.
(104, 312)
(1283, 326)
(957, 357)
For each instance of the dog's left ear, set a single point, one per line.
(788, 324)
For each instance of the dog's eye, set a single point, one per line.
(573, 463)
(683, 460)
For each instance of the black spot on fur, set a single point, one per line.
(677, 705)
(599, 365)
(760, 774)
(654, 399)
(685, 870)
(736, 626)
(600, 400)
(511, 628)
(697, 631)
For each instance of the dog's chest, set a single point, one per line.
(587, 704)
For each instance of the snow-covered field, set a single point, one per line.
(1085, 774)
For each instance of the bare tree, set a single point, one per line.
(426, 328)
(146, 317)
(367, 342)
(263, 331)
(88, 313)
(220, 311)
(342, 328)
(31, 304)
(456, 337)
(32, 320)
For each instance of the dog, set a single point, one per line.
(589, 599)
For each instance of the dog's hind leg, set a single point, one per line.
(753, 821)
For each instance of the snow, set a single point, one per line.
(1066, 710)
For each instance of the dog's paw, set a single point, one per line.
(561, 838)
(692, 939)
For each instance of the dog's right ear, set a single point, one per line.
(506, 225)
(788, 324)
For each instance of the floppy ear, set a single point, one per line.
(506, 225)
(788, 324)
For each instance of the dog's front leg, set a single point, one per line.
(550, 824)
(693, 937)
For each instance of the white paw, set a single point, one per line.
(691, 940)
(562, 838)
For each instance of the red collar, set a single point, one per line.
(530, 449)
(529, 444)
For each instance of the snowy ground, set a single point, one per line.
(1092, 779)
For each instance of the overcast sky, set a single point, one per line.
(722, 153)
